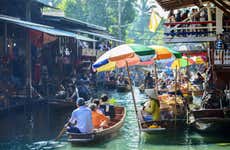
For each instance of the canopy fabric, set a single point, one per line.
(43, 28)
(165, 53)
(179, 63)
(126, 53)
(198, 60)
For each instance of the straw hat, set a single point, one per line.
(151, 93)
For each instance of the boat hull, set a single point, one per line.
(163, 126)
(210, 120)
(101, 135)
(123, 88)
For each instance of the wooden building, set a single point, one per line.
(23, 28)
(214, 30)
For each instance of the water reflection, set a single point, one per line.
(35, 128)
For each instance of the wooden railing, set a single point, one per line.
(205, 28)
(191, 29)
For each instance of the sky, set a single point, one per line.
(160, 11)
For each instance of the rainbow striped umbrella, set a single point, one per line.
(165, 52)
(126, 54)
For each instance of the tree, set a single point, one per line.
(100, 12)
(139, 32)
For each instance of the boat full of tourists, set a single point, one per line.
(100, 134)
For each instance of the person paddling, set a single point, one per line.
(81, 119)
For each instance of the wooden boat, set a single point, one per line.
(210, 120)
(110, 84)
(162, 126)
(142, 90)
(123, 88)
(115, 124)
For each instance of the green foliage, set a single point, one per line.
(100, 12)
(138, 31)
(135, 16)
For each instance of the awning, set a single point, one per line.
(100, 35)
(44, 28)
(176, 4)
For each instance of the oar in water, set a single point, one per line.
(61, 132)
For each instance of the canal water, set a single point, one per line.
(37, 126)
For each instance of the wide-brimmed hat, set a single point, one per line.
(151, 93)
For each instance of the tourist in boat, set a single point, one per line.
(99, 120)
(199, 80)
(152, 106)
(81, 119)
(120, 80)
(148, 81)
(97, 102)
(107, 109)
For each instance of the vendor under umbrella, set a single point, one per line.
(152, 106)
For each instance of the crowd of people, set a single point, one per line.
(193, 15)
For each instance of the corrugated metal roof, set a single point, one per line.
(43, 28)
(99, 35)
(74, 21)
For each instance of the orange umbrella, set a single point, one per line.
(164, 52)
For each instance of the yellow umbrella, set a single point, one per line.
(181, 62)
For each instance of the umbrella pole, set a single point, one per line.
(156, 77)
(134, 101)
(187, 113)
(175, 115)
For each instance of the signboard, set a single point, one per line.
(88, 52)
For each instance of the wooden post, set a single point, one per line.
(187, 111)
(175, 115)
(156, 76)
(5, 39)
(94, 47)
(219, 21)
(28, 53)
(209, 17)
(187, 75)
(134, 101)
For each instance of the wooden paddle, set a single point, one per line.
(61, 132)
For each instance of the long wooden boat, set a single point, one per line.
(111, 84)
(210, 120)
(123, 88)
(162, 126)
(114, 125)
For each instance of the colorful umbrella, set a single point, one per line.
(132, 54)
(165, 53)
(124, 55)
(198, 60)
(162, 53)
(179, 63)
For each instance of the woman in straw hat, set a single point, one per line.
(152, 106)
